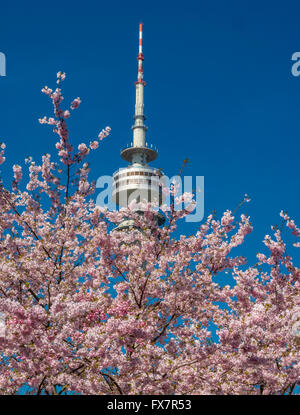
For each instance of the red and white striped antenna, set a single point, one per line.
(140, 57)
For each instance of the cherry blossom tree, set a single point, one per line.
(91, 310)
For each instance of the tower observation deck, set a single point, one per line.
(138, 181)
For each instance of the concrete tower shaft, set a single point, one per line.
(139, 128)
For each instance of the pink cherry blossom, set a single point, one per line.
(61, 76)
(2, 158)
(104, 133)
(17, 172)
(94, 145)
(75, 104)
(93, 310)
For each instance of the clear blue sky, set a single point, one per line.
(219, 91)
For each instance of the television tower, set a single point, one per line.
(138, 181)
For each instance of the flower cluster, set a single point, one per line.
(2, 158)
(92, 310)
(75, 104)
(61, 76)
(104, 133)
